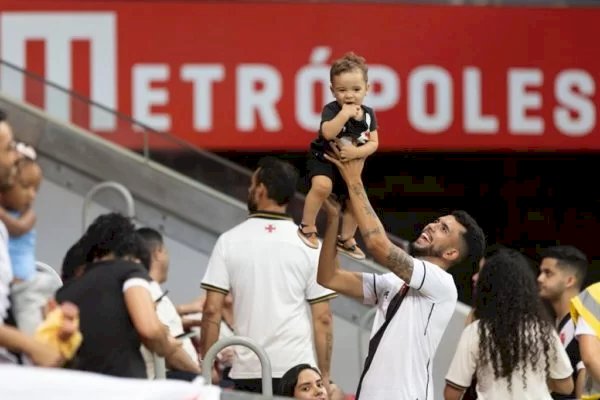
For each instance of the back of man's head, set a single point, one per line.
(571, 259)
(279, 177)
(473, 238)
(151, 237)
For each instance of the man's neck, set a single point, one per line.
(156, 277)
(272, 207)
(562, 305)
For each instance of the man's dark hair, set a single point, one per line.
(279, 177)
(3, 115)
(116, 234)
(473, 238)
(569, 257)
(151, 237)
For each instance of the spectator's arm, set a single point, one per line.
(580, 382)
(152, 332)
(180, 360)
(323, 336)
(41, 354)
(329, 273)
(195, 306)
(212, 315)
(453, 392)
(18, 226)
(562, 386)
(589, 347)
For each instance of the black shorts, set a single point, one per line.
(317, 165)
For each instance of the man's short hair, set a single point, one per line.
(473, 238)
(151, 237)
(3, 115)
(279, 177)
(569, 257)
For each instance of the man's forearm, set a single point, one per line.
(181, 361)
(324, 347)
(327, 257)
(373, 233)
(209, 333)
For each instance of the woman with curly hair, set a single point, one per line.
(511, 347)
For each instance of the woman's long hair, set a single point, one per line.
(513, 323)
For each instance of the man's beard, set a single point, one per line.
(252, 206)
(419, 252)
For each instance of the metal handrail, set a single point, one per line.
(265, 363)
(104, 186)
(362, 324)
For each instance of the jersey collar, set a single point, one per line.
(270, 215)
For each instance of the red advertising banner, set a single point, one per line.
(246, 76)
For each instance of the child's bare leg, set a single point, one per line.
(320, 189)
(349, 224)
(346, 241)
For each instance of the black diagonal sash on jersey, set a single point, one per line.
(376, 339)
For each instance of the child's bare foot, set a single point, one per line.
(308, 234)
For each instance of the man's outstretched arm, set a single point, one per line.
(381, 248)
(329, 273)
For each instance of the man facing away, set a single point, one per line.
(561, 278)
(415, 300)
(272, 277)
(165, 309)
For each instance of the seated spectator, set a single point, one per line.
(303, 382)
(116, 310)
(512, 347)
(159, 270)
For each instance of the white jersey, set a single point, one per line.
(402, 366)
(272, 276)
(464, 367)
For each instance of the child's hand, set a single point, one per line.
(348, 152)
(352, 111)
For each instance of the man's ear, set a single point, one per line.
(571, 281)
(451, 254)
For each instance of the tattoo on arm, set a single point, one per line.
(374, 231)
(359, 190)
(329, 347)
(400, 263)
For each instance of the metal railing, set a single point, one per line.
(103, 186)
(265, 363)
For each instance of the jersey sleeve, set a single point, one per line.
(375, 286)
(432, 281)
(463, 365)
(373, 125)
(329, 112)
(216, 278)
(314, 292)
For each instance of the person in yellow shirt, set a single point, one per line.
(585, 311)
